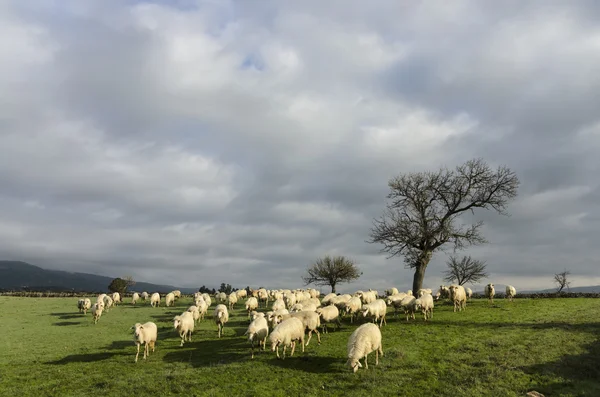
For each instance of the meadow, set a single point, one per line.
(506, 349)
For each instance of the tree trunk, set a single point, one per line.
(333, 288)
(420, 267)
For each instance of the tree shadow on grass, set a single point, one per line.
(573, 374)
(66, 323)
(207, 353)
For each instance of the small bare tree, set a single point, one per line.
(331, 271)
(465, 270)
(424, 211)
(562, 280)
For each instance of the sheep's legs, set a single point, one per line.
(366, 363)
(145, 350)
(138, 352)
(294, 347)
(302, 343)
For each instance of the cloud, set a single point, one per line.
(197, 142)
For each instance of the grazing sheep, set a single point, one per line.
(489, 292)
(202, 308)
(329, 314)
(424, 291)
(134, 298)
(367, 297)
(221, 316)
(311, 321)
(314, 294)
(458, 297)
(408, 305)
(176, 293)
(108, 302)
(232, 300)
(145, 334)
(144, 296)
(396, 301)
(424, 304)
(251, 305)
(207, 299)
(444, 292)
(221, 297)
(195, 312)
(290, 299)
(391, 291)
(241, 293)
(170, 299)
(279, 304)
(258, 330)
(184, 324)
(510, 292)
(263, 296)
(116, 297)
(377, 310)
(364, 340)
(327, 299)
(353, 307)
(97, 311)
(155, 300)
(287, 333)
(84, 305)
(469, 292)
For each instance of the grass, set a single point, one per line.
(548, 345)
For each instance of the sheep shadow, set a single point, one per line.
(307, 362)
(67, 316)
(208, 353)
(577, 374)
(85, 358)
(66, 323)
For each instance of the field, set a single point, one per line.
(506, 349)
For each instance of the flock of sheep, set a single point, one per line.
(294, 315)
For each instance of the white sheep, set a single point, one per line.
(207, 299)
(184, 324)
(424, 291)
(279, 304)
(510, 292)
(134, 298)
(391, 291)
(202, 308)
(444, 292)
(241, 293)
(221, 297)
(458, 297)
(232, 299)
(257, 331)
(155, 300)
(221, 317)
(263, 296)
(287, 333)
(195, 312)
(353, 307)
(408, 305)
(108, 302)
(326, 300)
(116, 297)
(251, 305)
(489, 292)
(84, 305)
(311, 321)
(170, 299)
(101, 298)
(364, 340)
(424, 304)
(97, 309)
(469, 292)
(144, 296)
(314, 293)
(329, 314)
(377, 310)
(145, 334)
(395, 301)
(290, 299)
(176, 293)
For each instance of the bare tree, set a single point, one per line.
(422, 214)
(465, 270)
(331, 271)
(561, 280)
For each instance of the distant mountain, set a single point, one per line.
(588, 289)
(16, 275)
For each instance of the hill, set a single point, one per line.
(16, 275)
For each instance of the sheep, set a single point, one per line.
(458, 297)
(407, 305)
(279, 304)
(396, 301)
(108, 302)
(469, 292)
(325, 301)
(377, 309)
(391, 291)
(258, 330)
(367, 297)
(176, 293)
(251, 304)
(232, 300)
(221, 316)
(423, 291)
(184, 324)
(202, 308)
(170, 299)
(307, 306)
(100, 298)
(287, 333)
(313, 301)
(207, 299)
(155, 300)
(311, 321)
(290, 299)
(340, 301)
(364, 340)
(329, 314)
(97, 309)
(263, 295)
(116, 297)
(241, 293)
(409, 292)
(444, 292)
(489, 292)
(314, 293)
(134, 298)
(510, 292)
(195, 312)
(144, 296)
(145, 334)
(424, 304)
(353, 306)
(84, 305)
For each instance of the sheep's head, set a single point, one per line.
(354, 364)
(365, 312)
(176, 321)
(275, 341)
(138, 329)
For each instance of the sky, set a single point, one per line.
(200, 142)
